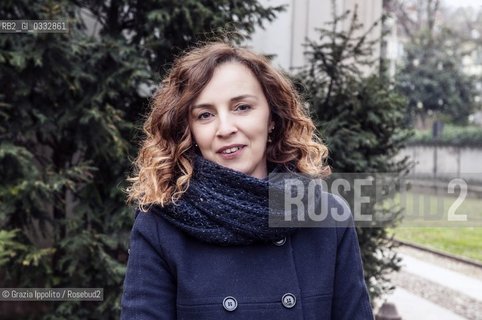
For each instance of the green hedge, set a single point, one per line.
(467, 136)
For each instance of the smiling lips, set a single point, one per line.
(231, 151)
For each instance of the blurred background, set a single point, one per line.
(394, 86)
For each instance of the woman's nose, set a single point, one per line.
(226, 126)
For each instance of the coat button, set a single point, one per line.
(230, 304)
(288, 300)
(280, 242)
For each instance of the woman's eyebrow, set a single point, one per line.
(234, 99)
(242, 97)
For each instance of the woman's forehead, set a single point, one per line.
(230, 81)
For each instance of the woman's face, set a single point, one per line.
(230, 120)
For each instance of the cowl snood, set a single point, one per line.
(226, 207)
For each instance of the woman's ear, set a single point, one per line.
(271, 126)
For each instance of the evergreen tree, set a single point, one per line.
(431, 74)
(433, 80)
(360, 118)
(70, 107)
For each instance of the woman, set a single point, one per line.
(201, 246)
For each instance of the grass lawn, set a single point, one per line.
(460, 238)
(464, 241)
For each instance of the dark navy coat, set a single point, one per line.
(315, 273)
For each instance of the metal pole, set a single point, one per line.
(388, 311)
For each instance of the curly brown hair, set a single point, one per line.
(164, 165)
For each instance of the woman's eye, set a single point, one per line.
(243, 107)
(204, 115)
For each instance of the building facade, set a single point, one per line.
(285, 36)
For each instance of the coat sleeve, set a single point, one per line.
(351, 299)
(149, 286)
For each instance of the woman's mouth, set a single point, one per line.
(231, 152)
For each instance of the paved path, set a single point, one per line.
(459, 282)
(433, 288)
(412, 307)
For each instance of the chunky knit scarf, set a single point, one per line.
(225, 207)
